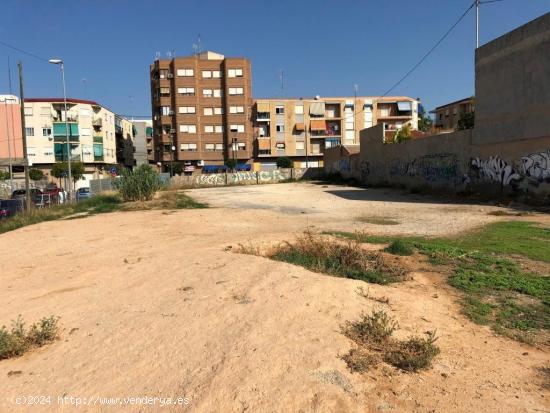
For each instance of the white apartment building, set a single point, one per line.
(91, 129)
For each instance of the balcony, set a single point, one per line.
(97, 122)
(60, 132)
(263, 117)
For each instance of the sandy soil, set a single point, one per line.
(153, 304)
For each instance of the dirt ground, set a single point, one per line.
(154, 304)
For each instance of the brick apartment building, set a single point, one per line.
(201, 110)
(302, 129)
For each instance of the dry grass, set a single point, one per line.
(377, 220)
(339, 258)
(165, 200)
(373, 335)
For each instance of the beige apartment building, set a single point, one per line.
(447, 116)
(201, 108)
(91, 129)
(302, 129)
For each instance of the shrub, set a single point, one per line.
(36, 174)
(17, 341)
(231, 163)
(413, 354)
(284, 162)
(138, 185)
(4, 175)
(376, 327)
(399, 247)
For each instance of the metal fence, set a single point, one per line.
(98, 186)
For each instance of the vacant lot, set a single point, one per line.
(156, 303)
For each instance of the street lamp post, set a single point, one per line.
(234, 150)
(62, 66)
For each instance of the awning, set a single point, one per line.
(404, 106)
(214, 168)
(262, 107)
(264, 144)
(317, 109)
(318, 125)
(299, 127)
(243, 167)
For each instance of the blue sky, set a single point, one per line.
(324, 47)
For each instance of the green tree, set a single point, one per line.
(4, 175)
(61, 170)
(284, 162)
(231, 163)
(466, 121)
(403, 134)
(177, 168)
(425, 123)
(36, 174)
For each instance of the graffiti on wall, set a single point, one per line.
(436, 167)
(533, 169)
(495, 169)
(537, 166)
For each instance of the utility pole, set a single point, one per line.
(355, 88)
(478, 2)
(24, 135)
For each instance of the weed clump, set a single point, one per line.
(373, 335)
(18, 340)
(399, 247)
(343, 259)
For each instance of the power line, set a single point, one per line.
(432, 49)
(23, 51)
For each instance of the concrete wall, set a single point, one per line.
(10, 128)
(513, 85)
(452, 162)
(339, 160)
(243, 178)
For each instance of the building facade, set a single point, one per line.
(124, 136)
(447, 116)
(302, 129)
(143, 136)
(11, 141)
(201, 108)
(91, 130)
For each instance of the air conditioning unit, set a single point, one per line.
(200, 163)
(171, 112)
(169, 75)
(172, 131)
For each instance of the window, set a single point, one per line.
(207, 93)
(45, 111)
(28, 110)
(299, 109)
(186, 109)
(85, 132)
(236, 109)
(185, 72)
(186, 91)
(279, 110)
(216, 73)
(385, 112)
(300, 146)
(165, 110)
(236, 91)
(219, 146)
(46, 131)
(165, 91)
(206, 74)
(209, 147)
(85, 113)
(217, 93)
(235, 73)
(188, 147)
(349, 125)
(163, 73)
(280, 146)
(218, 111)
(29, 131)
(218, 129)
(208, 111)
(241, 146)
(236, 128)
(188, 129)
(208, 128)
(280, 127)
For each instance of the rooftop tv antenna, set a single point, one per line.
(157, 55)
(282, 79)
(197, 47)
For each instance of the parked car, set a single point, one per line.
(83, 193)
(20, 194)
(56, 194)
(10, 207)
